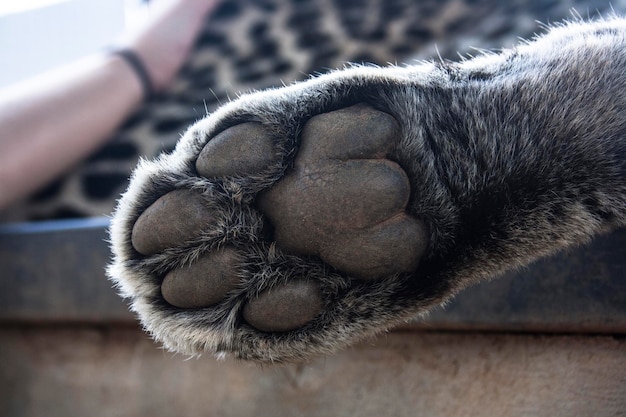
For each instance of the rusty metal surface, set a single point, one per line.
(54, 271)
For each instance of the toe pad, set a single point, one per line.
(243, 149)
(284, 308)
(204, 283)
(174, 218)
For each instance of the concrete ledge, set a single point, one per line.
(54, 272)
(114, 371)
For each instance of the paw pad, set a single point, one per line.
(205, 282)
(174, 218)
(345, 202)
(284, 308)
(243, 149)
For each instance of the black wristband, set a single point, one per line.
(139, 68)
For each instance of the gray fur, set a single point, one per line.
(511, 157)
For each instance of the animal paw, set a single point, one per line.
(295, 221)
(266, 246)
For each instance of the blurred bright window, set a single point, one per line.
(37, 35)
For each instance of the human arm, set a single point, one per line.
(50, 123)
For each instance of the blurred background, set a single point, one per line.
(38, 35)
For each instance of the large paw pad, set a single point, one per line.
(343, 201)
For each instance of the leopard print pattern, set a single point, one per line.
(255, 44)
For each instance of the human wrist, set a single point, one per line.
(199, 7)
(166, 39)
(138, 67)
